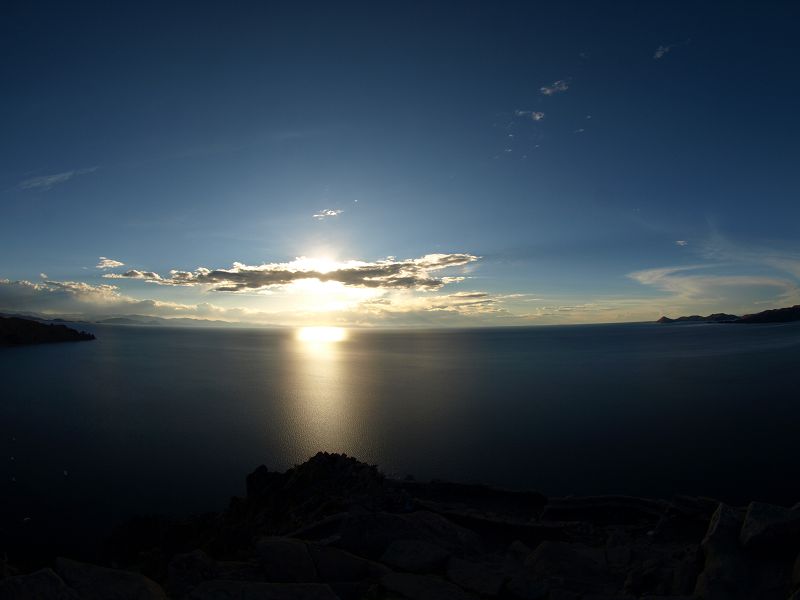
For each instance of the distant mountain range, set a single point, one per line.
(127, 320)
(777, 315)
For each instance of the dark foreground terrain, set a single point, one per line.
(337, 528)
(15, 331)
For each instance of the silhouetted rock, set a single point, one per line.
(99, 583)
(713, 318)
(15, 331)
(777, 315)
(416, 556)
(39, 585)
(251, 590)
(770, 525)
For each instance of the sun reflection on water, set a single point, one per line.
(320, 335)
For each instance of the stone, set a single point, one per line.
(416, 556)
(563, 559)
(257, 590)
(726, 573)
(796, 573)
(284, 560)
(422, 587)
(770, 525)
(99, 583)
(337, 565)
(370, 534)
(188, 570)
(523, 586)
(39, 585)
(474, 577)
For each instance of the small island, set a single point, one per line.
(15, 331)
(777, 315)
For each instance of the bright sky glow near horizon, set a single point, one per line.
(399, 164)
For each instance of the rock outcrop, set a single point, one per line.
(334, 528)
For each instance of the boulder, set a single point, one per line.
(422, 587)
(475, 577)
(579, 567)
(416, 556)
(284, 560)
(255, 590)
(370, 534)
(187, 571)
(726, 574)
(99, 583)
(767, 525)
(40, 585)
(337, 565)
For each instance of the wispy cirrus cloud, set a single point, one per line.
(681, 243)
(416, 273)
(108, 263)
(47, 182)
(327, 213)
(685, 285)
(661, 52)
(562, 85)
(665, 49)
(535, 115)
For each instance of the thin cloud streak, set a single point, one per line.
(47, 182)
(327, 213)
(562, 85)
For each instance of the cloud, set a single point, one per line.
(416, 273)
(661, 51)
(328, 212)
(681, 243)
(108, 263)
(46, 182)
(396, 307)
(707, 288)
(535, 115)
(134, 274)
(562, 85)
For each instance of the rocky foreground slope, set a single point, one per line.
(336, 528)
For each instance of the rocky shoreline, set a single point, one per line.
(334, 527)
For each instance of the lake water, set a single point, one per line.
(160, 420)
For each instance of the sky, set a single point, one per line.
(399, 163)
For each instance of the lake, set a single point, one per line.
(170, 420)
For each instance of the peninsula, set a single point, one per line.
(777, 315)
(15, 331)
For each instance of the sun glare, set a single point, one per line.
(321, 334)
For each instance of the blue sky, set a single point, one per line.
(560, 161)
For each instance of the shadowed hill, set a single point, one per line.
(777, 315)
(19, 332)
